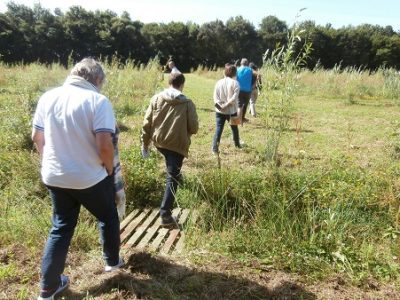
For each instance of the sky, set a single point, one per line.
(336, 12)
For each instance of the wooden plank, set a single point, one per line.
(174, 233)
(155, 227)
(170, 241)
(157, 241)
(132, 225)
(194, 216)
(151, 232)
(163, 232)
(184, 216)
(140, 231)
(127, 220)
(180, 244)
(176, 211)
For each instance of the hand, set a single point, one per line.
(120, 201)
(145, 153)
(225, 105)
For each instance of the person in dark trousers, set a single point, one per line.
(170, 121)
(244, 76)
(226, 95)
(256, 85)
(72, 130)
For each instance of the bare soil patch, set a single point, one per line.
(151, 276)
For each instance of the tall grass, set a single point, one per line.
(128, 84)
(334, 220)
(325, 214)
(281, 72)
(209, 72)
(352, 84)
(316, 219)
(391, 87)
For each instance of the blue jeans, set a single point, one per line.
(220, 122)
(98, 200)
(173, 162)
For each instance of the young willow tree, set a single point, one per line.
(280, 72)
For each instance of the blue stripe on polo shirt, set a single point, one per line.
(38, 127)
(104, 130)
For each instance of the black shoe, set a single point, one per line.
(169, 221)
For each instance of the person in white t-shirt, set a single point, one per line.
(72, 130)
(173, 68)
(226, 102)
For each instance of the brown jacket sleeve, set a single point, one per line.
(193, 121)
(147, 125)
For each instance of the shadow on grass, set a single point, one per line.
(149, 277)
(206, 109)
(123, 127)
(263, 126)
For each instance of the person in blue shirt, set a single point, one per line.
(244, 77)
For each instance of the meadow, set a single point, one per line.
(314, 192)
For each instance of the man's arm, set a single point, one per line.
(235, 96)
(38, 140)
(193, 120)
(146, 129)
(106, 150)
(217, 94)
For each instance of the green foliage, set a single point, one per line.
(18, 102)
(226, 198)
(273, 32)
(306, 222)
(352, 84)
(144, 184)
(328, 209)
(243, 40)
(391, 86)
(281, 68)
(128, 84)
(36, 34)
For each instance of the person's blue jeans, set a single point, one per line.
(173, 162)
(220, 122)
(98, 200)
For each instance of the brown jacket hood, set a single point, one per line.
(173, 96)
(170, 121)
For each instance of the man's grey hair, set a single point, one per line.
(244, 62)
(89, 69)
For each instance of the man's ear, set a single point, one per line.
(99, 83)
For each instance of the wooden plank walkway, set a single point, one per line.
(142, 229)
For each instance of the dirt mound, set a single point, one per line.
(148, 276)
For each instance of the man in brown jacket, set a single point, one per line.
(169, 122)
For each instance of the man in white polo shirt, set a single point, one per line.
(72, 130)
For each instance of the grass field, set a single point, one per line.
(326, 207)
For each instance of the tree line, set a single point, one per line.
(36, 34)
